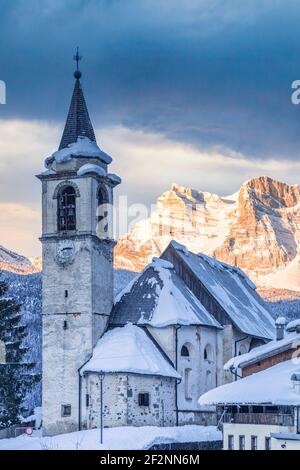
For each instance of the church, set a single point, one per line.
(145, 357)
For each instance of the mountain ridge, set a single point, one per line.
(256, 229)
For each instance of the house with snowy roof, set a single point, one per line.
(261, 411)
(144, 358)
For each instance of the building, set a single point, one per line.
(139, 381)
(261, 411)
(77, 262)
(188, 313)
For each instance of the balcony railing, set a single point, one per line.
(259, 418)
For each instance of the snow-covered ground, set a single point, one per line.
(123, 438)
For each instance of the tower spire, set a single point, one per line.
(77, 58)
(78, 122)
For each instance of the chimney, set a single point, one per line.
(280, 327)
(295, 378)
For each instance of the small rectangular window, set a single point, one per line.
(144, 399)
(65, 325)
(272, 409)
(257, 409)
(230, 442)
(253, 442)
(66, 294)
(244, 409)
(65, 410)
(87, 400)
(242, 442)
(268, 443)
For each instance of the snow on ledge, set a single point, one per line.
(84, 147)
(89, 168)
(114, 178)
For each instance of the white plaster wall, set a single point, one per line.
(89, 282)
(64, 351)
(196, 339)
(248, 430)
(285, 444)
(165, 337)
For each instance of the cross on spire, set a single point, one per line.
(77, 57)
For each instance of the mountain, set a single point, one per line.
(10, 261)
(256, 229)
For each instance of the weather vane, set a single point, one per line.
(77, 58)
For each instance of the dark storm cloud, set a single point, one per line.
(209, 72)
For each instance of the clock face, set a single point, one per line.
(65, 251)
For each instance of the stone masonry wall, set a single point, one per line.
(120, 401)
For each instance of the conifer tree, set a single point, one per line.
(16, 376)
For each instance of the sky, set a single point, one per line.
(196, 92)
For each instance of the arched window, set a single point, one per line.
(187, 384)
(184, 351)
(208, 381)
(208, 353)
(66, 212)
(102, 212)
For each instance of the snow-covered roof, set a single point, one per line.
(233, 290)
(271, 386)
(266, 350)
(129, 349)
(158, 297)
(285, 436)
(83, 147)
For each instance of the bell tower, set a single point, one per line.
(77, 243)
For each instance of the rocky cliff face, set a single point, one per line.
(256, 229)
(265, 234)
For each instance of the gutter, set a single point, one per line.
(236, 375)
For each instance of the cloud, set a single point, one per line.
(20, 228)
(148, 163)
(202, 72)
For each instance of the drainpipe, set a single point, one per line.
(79, 401)
(177, 327)
(235, 354)
(80, 392)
